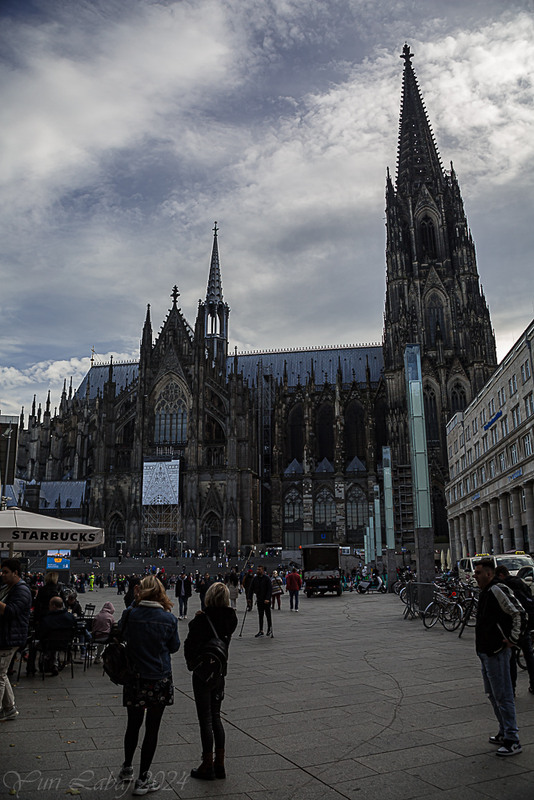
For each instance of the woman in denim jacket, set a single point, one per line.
(151, 635)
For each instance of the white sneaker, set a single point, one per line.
(146, 786)
(126, 774)
(8, 714)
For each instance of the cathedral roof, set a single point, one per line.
(297, 364)
(123, 375)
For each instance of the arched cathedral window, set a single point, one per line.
(295, 433)
(325, 509)
(325, 432)
(170, 416)
(428, 238)
(458, 398)
(293, 514)
(431, 414)
(436, 319)
(357, 509)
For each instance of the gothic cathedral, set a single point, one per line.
(193, 447)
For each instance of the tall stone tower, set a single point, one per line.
(433, 298)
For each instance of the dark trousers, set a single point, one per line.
(208, 703)
(264, 608)
(182, 604)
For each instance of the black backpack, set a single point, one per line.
(115, 659)
(212, 659)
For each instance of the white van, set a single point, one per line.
(513, 561)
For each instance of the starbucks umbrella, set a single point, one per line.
(26, 530)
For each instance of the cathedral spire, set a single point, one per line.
(418, 160)
(214, 293)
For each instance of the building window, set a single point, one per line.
(293, 514)
(458, 398)
(514, 458)
(491, 407)
(325, 508)
(483, 473)
(492, 468)
(428, 238)
(467, 484)
(516, 416)
(469, 457)
(527, 445)
(501, 396)
(475, 426)
(494, 435)
(529, 405)
(357, 509)
(463, 462)
(485, 445)
(170, 416)
(502, 461)
(467, 433)
(431, 415)
(456, 445)
(525, 371)
(504, 426)
(512, 385)
(523, 500)
(483, 417)
(477, 450)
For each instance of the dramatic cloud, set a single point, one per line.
(129, 130)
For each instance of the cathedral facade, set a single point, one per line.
(281, 447)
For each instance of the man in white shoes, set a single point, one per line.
(15, 608)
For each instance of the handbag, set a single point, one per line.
(116, 661)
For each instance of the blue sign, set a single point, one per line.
(58, 559)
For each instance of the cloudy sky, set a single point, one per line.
(130, 126)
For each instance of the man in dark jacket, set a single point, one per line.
(14, 620)
(498, 628)
(261, 586)
(182, 591)
(523, 594)
(57, 624)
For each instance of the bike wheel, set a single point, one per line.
(472, 621)
(403, 594)
(431, 614)
(452, 617)
(520, 658)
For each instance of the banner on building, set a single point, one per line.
(161, 483)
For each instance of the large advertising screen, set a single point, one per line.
(161, 483)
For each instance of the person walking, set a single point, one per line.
(293, 586)
(151, 635)
(15, 607)
(183, 590)
(208, 699)
(261, 587)
(498, 626)
(232, 581)
(103, 625)
(277, 589)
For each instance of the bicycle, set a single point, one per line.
(448, 612)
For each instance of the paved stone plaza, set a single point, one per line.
(349, 700)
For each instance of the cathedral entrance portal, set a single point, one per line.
(211, 534)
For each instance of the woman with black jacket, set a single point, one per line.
(151, 634)
(208, 699)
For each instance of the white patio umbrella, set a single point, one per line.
(26, 530)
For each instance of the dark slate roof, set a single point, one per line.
(325, 360)
(123, 375)
(63, 494)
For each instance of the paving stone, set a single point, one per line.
(348, 701)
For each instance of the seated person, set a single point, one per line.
(57, 624)
(73, 604)
(103, 625)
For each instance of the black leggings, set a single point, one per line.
(208, 703)
(150, 739)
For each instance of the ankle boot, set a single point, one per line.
(205, 771)
(218, 765)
